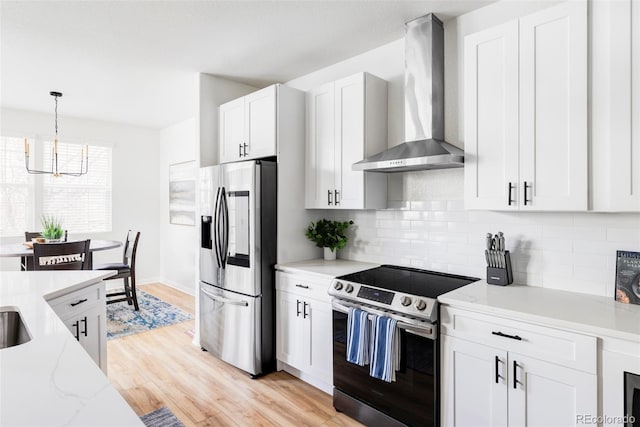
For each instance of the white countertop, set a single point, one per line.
(327, 269)
(51, 380)
(590, 314)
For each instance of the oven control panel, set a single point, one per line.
(374, 294)
(418, 307)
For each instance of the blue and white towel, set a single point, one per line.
(358, 337)
(385, 349)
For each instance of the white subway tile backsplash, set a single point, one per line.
(570, 251)
(624, 235)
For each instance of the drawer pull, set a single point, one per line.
(501, 334)
(298, 285)
(73, 304)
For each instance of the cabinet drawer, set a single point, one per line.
(78, 301)
(557, 346)
(305, 286)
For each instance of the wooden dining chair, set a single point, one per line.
(61, 256)
(126, 270)
(26, 262)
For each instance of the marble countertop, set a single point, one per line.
(592, 314)
(324, 268)
(51, 380)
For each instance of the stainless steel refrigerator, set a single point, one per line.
(237, 259)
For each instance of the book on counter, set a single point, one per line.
(628, 277)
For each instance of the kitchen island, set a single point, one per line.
(51, 380)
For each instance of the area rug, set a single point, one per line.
(162, 417)
(123, 320)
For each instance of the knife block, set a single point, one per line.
(501, 276)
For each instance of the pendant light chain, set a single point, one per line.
(56, 98)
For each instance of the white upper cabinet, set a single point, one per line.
(526, 113)
(615, 116)
(491, 118)
(346, 122)
(248, 126)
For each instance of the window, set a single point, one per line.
(82, 203)
(14, 188)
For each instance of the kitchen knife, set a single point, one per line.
(501, 240)
(489, 241)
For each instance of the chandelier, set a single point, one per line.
(53, 170)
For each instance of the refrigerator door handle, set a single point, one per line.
(224, 246)
(242, 303)
(216, 228)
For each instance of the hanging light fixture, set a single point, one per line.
(84, 160)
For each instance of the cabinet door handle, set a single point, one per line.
(239, 150)
(515, 375)
(85, 326)
(77, 326)
(244, 149)
(304, 311)
(336, 196)
(501, 334)
(73, 304)
(498, 376)
(526, 199)
(510, 188)
(298, 285)
(329, 199)
(298, 308)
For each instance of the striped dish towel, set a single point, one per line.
(357, 336)
(385, 349)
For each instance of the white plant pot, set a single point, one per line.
(329, 255)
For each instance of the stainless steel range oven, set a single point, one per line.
(408, 296)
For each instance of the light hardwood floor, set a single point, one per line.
(162, 367)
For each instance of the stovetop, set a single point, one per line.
(402, 290)
(410, 281)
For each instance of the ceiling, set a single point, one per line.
(135, 62)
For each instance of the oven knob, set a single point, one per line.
(348, 288)
(405, 301)
(421, 305)
(337, 286)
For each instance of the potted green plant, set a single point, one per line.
(51, 228)
(329, 235)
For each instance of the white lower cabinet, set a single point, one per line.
(500, 372)
(303, 328)
(84, 314)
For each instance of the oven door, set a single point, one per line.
(412, 398)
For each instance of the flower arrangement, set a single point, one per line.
(328, 234)
(51, 227)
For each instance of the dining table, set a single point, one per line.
(25, 251)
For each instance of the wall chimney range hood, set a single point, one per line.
(423, 106)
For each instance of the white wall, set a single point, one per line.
(177, 242)
(134, 182)
(427, 226)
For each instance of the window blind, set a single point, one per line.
(15, 187)
(82, 203)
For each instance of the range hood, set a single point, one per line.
(423, 106)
